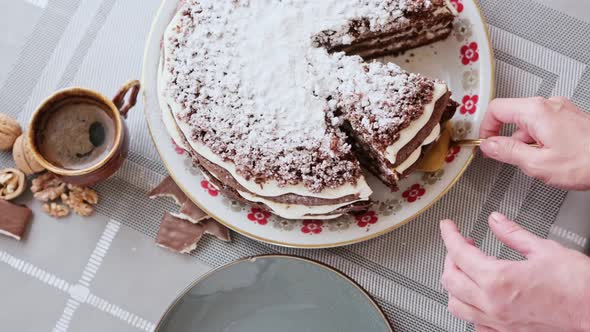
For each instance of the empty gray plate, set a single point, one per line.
(274, 293)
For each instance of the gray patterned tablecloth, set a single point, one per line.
(105, 274)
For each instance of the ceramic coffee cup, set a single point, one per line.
(68, 122)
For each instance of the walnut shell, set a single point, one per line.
(10, 130)
(12, 183)
(23, 157)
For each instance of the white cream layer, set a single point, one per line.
(290, 211)
(414, 156)
(167, 116)
(408, 133)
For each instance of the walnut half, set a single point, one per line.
(48, 187)
(81, 201)
(56, 210)
(12, 183)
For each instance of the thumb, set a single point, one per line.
(511, 151)
(512, 235)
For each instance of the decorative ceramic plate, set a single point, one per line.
(464, 61)
(274, 293)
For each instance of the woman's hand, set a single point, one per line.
(549, 291)
(560, 127)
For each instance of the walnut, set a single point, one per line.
(87, 194)
(56, 210)
(80, 200)
(10, 130)
(23, 157)
(12, 183)
(48, 187)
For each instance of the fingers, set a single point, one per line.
(467, 257)
(559, 103)
(514, 152)
(502, 111)
(523, 136)
(459, 285)
(465, 311)
(523, 112)
(512, 235)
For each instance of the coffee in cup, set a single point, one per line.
(76, 134)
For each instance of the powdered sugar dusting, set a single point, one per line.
(257, 93)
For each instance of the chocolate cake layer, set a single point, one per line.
(402, 44)
(231, 193)
(226, 178)
(440, 107)
(222, 175)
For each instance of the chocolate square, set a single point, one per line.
(189, 211)
(179, 235)
(14, 219)
(216, 229)
(168, 188)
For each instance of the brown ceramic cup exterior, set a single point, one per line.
(119, 107)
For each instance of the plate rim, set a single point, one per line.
(492, 91)
(324, 266)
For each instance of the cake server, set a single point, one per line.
(435, 159)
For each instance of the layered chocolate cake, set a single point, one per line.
(276, 101)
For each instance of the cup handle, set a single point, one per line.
(119, 100)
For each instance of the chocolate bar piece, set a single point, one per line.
(14, 219)
(216, 229)
(168, 188)
(189, 211)
(189, 214)
(179, 235)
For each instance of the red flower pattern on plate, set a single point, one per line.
(369, 218)
(259, 216)
(312, 226)
(458, 5)
(210, 188)
(469, 104)
(414, 193)
(453, 152)
(469, 53)
(177, 148)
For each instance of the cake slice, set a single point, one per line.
(399, 116)
(403, 25)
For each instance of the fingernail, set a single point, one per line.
(497, 217)
(444, 222)
(555, 105)
(490, 147)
